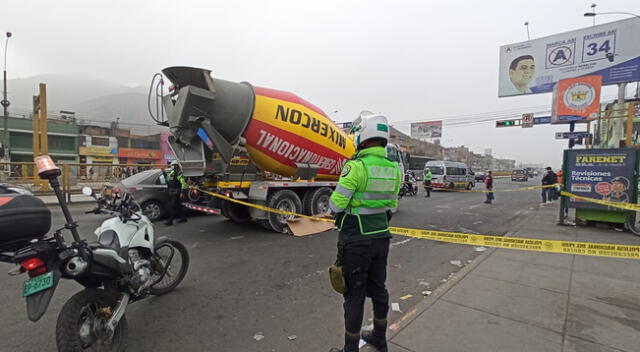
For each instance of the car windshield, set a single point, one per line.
(518, 171)
(139, 177)
(436, 170)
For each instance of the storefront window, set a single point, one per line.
(101, 141)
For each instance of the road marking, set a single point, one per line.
(399, 243)
(466, 230)
(478, 222)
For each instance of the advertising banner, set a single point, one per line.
(132, 153)
(610, 50)
(428, 130)
(606, 174)
(98, 151)
(576, 100)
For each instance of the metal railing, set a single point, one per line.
(74, 176)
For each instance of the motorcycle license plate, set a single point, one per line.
(37, 284)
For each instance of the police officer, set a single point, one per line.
(363, 201)
(428, 176)
(177, 185)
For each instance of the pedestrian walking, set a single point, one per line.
(363, 201)
(427, 181)
(488, 183)
(548, 192)
(177, 187)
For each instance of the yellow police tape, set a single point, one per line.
(619, 205)
(497, 190)
(517, 243)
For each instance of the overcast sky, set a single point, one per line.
(411, 60)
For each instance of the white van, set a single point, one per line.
(450, 174)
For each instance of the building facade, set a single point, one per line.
(62, 140)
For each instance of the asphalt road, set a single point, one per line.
(245, 281)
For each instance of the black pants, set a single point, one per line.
(365, 269)
(427, 187)
(176, 207)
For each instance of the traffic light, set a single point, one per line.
(507, 123)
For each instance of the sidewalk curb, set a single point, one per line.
(426, 303)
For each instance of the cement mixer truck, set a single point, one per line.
(258, 145)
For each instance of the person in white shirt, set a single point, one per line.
(521, 72)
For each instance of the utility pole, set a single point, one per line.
(44, 140)
(5, 102)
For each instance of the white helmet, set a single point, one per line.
(174, 163)
(370, 125)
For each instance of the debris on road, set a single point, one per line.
(292, 337)
(479, 249)
(426, 293)
(258, 336)
(457, 263)
(395, 306)
(394, 327)
(423, 283)
(236, 237)
(405, 297)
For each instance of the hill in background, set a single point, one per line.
(90, 98)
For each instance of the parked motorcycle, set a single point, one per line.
(125, 265)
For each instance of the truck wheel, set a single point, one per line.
(234, 211)
(286, 200)
(316, 201)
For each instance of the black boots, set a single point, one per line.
(379, 343)
(377, 337)
(351, 342)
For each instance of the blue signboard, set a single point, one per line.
(541, 120)
(605, 174)
(572, 135)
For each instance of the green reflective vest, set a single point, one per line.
(176, 180)
(367, 189)
(428, 176)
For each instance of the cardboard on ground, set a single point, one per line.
(304, 226)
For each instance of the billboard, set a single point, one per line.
(610, 50)
(428, 130)
(576, 100)
(606, 174)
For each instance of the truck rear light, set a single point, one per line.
(35, 266)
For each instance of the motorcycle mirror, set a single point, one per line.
(87, 191)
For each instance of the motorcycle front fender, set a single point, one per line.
(38, 303)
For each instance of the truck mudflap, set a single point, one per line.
(202, 208)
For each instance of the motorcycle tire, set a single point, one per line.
(81, 306)
(181, 250)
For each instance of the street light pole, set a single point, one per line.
(5, 102)
(594, 14)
